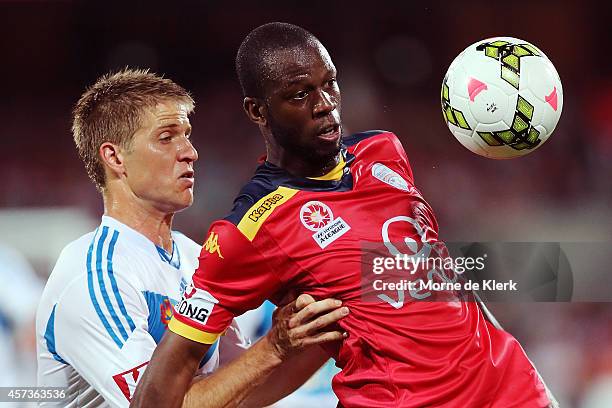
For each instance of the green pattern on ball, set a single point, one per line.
(499, 43)
(509, 55)
(534, 50)
(450, 114)
(511, 60)
(519, 51)
(461, 120)
(521, 135)
(524, 107)
(518, 125)
(490, 139)
(506, 136)
(510, 76)
(533, 135)
(491, 52)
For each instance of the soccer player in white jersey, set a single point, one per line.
(108, 301)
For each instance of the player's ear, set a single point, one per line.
(255, 109)
(112, 157)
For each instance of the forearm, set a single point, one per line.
(287, 377)
(169, 373)
(230, 385)
(163, 396)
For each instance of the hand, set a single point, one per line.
(305, 322)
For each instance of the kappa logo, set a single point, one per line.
(390, 177)
(127, 380)
(265, 207)
(318, 217)
(212, 244)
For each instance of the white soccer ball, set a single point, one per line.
(502, 98)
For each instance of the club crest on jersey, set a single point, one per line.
(390, 177)
(318, 217)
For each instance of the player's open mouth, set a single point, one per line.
(330, 132)
(188, 177)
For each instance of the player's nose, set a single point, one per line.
(187, 152)
(324, 104)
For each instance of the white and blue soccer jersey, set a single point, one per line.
(104, 309)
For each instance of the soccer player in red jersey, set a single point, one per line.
(300, 224)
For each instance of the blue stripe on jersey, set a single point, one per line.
(92, 293)
(170, 258)
(160, 309)
(100, 273)
(176, 262)
(163, 254)
(111, 275)
(50, 336)
(266, 319)
(209, 354)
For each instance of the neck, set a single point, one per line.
(298, 166)
(154, 224)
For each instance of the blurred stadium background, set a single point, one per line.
(391, 58)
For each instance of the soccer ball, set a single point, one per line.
(502, 98)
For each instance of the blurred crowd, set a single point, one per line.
(391, 61)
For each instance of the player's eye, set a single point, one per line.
(300, 95)
(332, 82)
(165, 137)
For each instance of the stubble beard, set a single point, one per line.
(287, 139)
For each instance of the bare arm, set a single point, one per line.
(259, 376)
(286, 378)
(168, 375)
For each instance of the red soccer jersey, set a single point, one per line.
(289, 235)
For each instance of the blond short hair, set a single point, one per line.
(111, 111)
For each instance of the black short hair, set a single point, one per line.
(258, 47)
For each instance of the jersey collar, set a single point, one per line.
(338, 179)
(137, 239)
(335, 173)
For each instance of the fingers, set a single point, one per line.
(313, 309)
(318, 324)
(302, 301)
(305, 322)
(324, 337)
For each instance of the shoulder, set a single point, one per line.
(97, 280)
(185, 243)
(381, 146)
(99, 257)
(71, 263)
(254, 204)
(369, 135)
(88, 285)
(381, 143)
(188, 252)
(75, 249)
